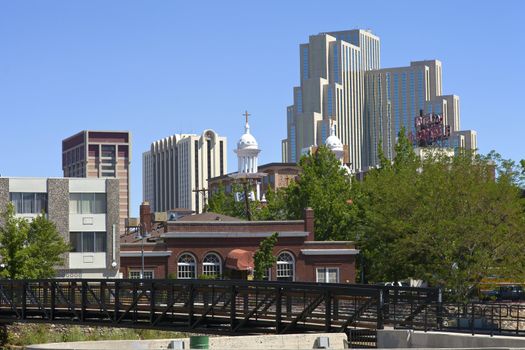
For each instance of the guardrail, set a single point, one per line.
(213, 306)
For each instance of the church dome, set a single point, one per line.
(247, 141)
(332, 142)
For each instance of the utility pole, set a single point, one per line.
(203, 191)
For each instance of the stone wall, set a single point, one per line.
(112, 218)
(4, 196)
(58, 208)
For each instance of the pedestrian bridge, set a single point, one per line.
(216, 306)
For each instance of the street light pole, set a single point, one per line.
(142, 256)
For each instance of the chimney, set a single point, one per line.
(309, 223)
(145, 216)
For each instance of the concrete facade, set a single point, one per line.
(178, 166)
(56, 200)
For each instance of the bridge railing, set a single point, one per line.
(211, 306)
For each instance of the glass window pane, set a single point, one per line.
(28, 199)
(321, 272)
(88, 242)
(74, 203)
(16, 198)
(87, 203)
(100, 203)
(333, 275)
(100, 242)
(75, 241)
(40, 203)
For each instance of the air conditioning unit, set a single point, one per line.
(160, 216)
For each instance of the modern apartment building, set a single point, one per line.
(342, 84)
(101, 154)
(85, 212)
(176, 170)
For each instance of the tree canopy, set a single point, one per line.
(29, 249)
(444, 219)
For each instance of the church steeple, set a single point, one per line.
(247, 150)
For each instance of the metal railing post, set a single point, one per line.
(117, 301)
(24, 299)
(233, 307)
(328, 311)
(439, 309)
(278, 309)
(83, 300)
(191, 304)
(52, 303)
(380, 310)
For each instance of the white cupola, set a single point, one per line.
(334, 144)
(247, 151)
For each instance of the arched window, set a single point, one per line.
(186, 266)
(285, 267)
(211, 265)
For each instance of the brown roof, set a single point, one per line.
(209, 216)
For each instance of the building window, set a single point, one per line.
(87, 203)
(327, 274)
(29, 203)
(285, 267)
(88, 242)
(108, 161)
(186, 266)
(211, 265)
(135, 274)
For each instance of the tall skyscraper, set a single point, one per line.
(176, 170)
(332, 88)
(341, 80)
(100, 154)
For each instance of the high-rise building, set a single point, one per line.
(395, 96)
(332, 88)
(176, 170)
(101, 154)
(342, 84)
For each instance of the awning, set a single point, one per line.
(240, 259)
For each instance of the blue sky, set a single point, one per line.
(161, 67)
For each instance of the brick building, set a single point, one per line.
(210, 244)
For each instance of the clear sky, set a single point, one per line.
(161, 67)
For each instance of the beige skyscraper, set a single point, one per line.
(100, 154)
(176, 170)
(332, 88)
(342, 84)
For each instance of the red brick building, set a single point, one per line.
(210, 244)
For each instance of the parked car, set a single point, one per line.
(508, 292)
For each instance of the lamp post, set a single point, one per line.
(143, 235)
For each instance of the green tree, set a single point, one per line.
(444, 219)
(324, 186)
(30, 250)
(264, 257)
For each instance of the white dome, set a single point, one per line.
(247, 141)
(333, 143)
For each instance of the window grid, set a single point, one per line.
(135, 274)
(285, 267)
(211, 265)
(327, 274)
(29, 202)
(186, 267)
